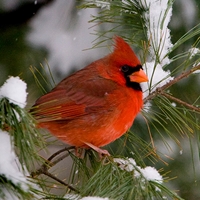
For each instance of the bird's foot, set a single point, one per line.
(100, 151)
(79, 152)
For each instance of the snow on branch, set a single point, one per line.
(193, 52)
(148, 173)
(14, 89)
(157, 18)
(9, 163)
(102, 4)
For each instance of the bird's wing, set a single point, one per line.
(71, 99)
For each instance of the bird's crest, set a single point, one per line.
(123, 54)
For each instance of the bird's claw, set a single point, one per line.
(100, 151)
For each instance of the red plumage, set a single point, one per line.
(97, 104)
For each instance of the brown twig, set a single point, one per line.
(49, 163)
(194, 108)
(59, 152)
(170, 83)
(60, 181)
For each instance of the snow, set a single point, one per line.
(72, 196)
(151, 174)
(193, 51)
(197, 63)
(148, 173)
(157, 77)
(173, 104)
(102, 4)
(67, 37)
(126, 164)
(197, 71)
(9, 163)
(157, 19)
(14, 89)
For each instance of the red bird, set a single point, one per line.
(97, 104)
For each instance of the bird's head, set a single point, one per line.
(124, 66)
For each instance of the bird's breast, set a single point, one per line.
(122, 109)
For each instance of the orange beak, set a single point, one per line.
(138, 77)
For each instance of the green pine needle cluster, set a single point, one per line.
(110, 181)
(124, 17)
(21, 126)
(91, 176)
(14, 189)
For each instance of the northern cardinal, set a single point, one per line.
(97, 104)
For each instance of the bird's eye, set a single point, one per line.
(125, 68)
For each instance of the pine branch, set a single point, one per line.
(191, 107)
(159, 90)
(60, 181)
(124, 18)
(20, 125)
(48, 164)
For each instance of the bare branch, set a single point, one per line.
(47, 165)
(60, 151)
(60, 181)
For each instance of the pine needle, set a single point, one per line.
(21, 126)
